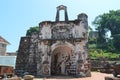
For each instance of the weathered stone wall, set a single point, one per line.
(23, 54)
(57, 43)
(60, 48)
(26, 57)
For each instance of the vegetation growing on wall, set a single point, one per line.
(32, 30)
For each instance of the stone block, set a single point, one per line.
(28, 77)
(111, 78)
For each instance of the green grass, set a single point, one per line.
(98, 53)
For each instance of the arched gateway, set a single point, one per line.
(60, 58)
(60, 48)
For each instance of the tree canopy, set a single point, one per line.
(31, 30)
(108, 22)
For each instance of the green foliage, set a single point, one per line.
(108, 22)
(90, 29)
(92, 40)
(99, 53)
(116, 42)
(110, 46)
(32, 30)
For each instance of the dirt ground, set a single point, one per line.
(95, 76)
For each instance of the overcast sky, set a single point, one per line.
(17, 16)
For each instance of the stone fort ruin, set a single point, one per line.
(59, 48)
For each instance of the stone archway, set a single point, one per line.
(60, 59)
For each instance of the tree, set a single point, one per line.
(90, 29)
(108, 22)
(91, 39)
(31, 30)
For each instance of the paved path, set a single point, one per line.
(95, 76)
